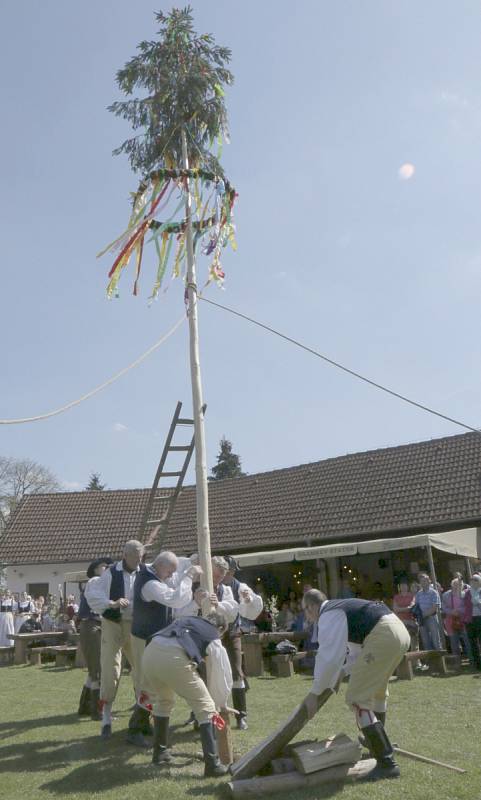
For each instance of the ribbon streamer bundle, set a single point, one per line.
(163, 194)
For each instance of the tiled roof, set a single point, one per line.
(431, 485)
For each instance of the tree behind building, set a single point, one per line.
(19, 477)
(228, 463)
(94, 484)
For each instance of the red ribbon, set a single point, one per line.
(219, 723)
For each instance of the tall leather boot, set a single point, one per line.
(381, 749)
(213, 767)
(381, 715)
(94, 705)
(84, 702)
(239, 703)
(161, 753)
(137, 723)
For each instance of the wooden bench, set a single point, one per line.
(256, 645)
(283, 664)
(63, 654)
(6, 655)
(437, 658)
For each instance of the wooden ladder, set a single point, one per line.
(159, 510)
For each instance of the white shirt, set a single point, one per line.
(228, 607)
(335, 653)
(97, 591)
(175, 592)
(252, 609)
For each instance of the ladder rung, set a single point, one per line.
(155, 521)
(180, 448)
(170, 474)
(185, 421)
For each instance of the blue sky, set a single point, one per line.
(377, 268)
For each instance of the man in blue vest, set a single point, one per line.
(169, 667)
(160, 588)
(365, 639)
(111, 597)
(250, 606)
(90, 635)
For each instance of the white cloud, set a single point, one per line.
(71, 486)
(118, 427)
(406, 171)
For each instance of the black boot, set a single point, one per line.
(94, 705)
(213, 767)
(381, 749)
(84, 702)
(381, 716)
(161, 754)
(137, 724)
(239, 702)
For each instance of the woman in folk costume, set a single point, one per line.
(90, 629)
(25, 609)
(7, 625)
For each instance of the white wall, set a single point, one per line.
(20, 575)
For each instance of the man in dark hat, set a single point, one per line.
(250, 606)
(90, 630)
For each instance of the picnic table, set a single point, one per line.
(21, 640)
(254, 645)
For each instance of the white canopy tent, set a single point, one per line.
(466, 542)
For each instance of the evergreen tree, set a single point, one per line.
(228, 463)
(181, 77)
(94, 484)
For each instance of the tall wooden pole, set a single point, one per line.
(203, 532)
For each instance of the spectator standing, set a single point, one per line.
(286, 618)
(428, 601)
(454, 610)
(7, 624)
(473, 618)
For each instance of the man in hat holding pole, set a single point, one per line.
(250, 606)
(90, 630)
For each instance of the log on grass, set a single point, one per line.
(260, 755)
(290, 781)
(313, 756)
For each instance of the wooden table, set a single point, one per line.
(254, 644)
(21, 640)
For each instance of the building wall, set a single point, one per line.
(19, 576)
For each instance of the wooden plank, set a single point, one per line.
(260, 755)
(290, 781)
(254, 663)
(224, 740)
(282, 666)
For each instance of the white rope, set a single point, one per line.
(102, 385)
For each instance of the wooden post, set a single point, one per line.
(469, 571)
(333, 572)
(224, 740)
(203, 533)
(435, 584)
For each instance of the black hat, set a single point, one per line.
(233, 564)
(96, 563)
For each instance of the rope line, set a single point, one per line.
(341, 366)
(102, 385)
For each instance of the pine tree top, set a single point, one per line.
(94, 484)
(183, 76)
(228, 463)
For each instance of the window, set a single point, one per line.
(37, 589)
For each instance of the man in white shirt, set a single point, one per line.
(250, 606)
(170, 667)
(160, 588)
(222, 599)
(365, 639)
(111, 596)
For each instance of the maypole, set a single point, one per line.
(181, 118)
(202, 494)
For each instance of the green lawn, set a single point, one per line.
(46, 752)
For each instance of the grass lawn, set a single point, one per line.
(47, 753)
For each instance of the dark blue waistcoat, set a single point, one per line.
(117, 591)
(194, 634)
(148, 617)
(362, 616)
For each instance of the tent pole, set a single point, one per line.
(435, 584)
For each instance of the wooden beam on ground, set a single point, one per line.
(260, 755)
(290, 781)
